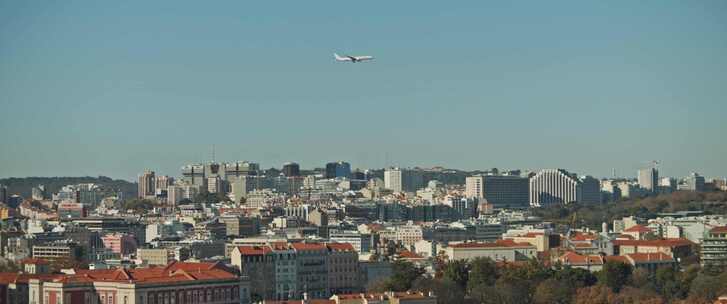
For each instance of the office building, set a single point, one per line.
(146, 184)
(649, 179)
(502, 191)
(558, 186)
(693, 182)
(291, 169)
(403, 180)
(339, 169)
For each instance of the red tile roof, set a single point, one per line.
(639, 229)
(308, 246)
(496, 244)
(580, 236)
(654, 243)
(340, 247)
(616, 258)
(13, 277)
(406, 254)
(173, 272)
(572, 258)
(254, 250)
(721, 229)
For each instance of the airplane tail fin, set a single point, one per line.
(337, 57)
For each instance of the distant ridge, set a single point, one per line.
(23, 185)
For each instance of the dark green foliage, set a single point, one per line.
(207, 198)
(592, 216)
(458, 272)
(483, 271)
(615, 275)
(138, 205)
(404, 274)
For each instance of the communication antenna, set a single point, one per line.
(213, 153)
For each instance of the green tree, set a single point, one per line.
(615, 275)
(483, 271)
(457, 271)
(552, 291)
(404, 274)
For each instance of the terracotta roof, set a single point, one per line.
(625, 237)
(496, 244)
(310, 301)
(572, 258)
(13, 277)
(340, 247)
(721, 229)
(406, 254)
(654, 243)
(254, 250)
(173, 272)
(580, 236)
(308, 246)
(650, 257)
(639, 229)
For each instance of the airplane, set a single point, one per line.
(353, 59)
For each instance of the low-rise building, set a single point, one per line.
(500, 250)
(676, 248)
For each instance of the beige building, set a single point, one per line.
(156, 256)
(500, 250)
(174, 283)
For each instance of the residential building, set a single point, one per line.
(343, 270)
(693, 182)
(403, 180)
(649, 179)
(123, 244)
(677, 248)
(714, 247)
(146, 184)
(154, 256)
(57, 250)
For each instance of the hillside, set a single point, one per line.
(23, 185)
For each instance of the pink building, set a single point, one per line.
(120, 243)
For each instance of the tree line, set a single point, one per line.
(485, 281)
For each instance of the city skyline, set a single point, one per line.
(92, 89)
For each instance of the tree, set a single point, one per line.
(615, 275)
(457, 271)
(448, 291)
(404, 273)
(552, 291)
(483, 271)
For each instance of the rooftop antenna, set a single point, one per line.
(613, 172)
(213, 153)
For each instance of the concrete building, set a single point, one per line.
(3, 194)
(343, 269)
(146, 184)
(649, 179)
(403, 180)
(154, 256)
(57, 250)
(361, 242)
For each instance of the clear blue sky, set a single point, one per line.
(111, 88)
